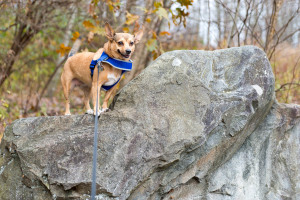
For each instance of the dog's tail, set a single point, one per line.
(75, 46)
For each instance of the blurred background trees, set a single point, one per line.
(36, 35)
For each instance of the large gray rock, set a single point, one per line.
(171, 131)
(267, 166)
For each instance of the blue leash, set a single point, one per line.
(94, 175)
(119, 64)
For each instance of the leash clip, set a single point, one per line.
(100, 65)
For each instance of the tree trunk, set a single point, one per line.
(219, 24)
(230, 36)
(50, 89)
(273, 21)
(21, 39)
(141, 55)
(208, 26)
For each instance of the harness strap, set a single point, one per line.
(92, 67)
(116, 63)
(108, 87)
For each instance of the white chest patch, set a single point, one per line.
(111, 79)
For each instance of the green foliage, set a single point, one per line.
(152, 44)
(162, 13)
(4, 109)
(6, 37)
(32, 69)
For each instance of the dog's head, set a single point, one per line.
(121, 45)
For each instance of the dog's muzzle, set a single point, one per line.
(128, 51)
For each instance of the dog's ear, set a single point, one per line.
(110, 33)
(138, 35)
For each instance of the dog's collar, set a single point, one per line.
(116, 63)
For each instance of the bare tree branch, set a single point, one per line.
(30, 18)
(286, 84)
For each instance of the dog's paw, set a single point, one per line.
(104, 110)
(67, 113)
(90, 112)
(99, 112)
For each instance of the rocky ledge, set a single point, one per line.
(193, 125)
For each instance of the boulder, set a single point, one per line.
(179, 130)
(267, 166)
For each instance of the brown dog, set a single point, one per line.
(119, 46)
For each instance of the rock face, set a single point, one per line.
(193, 125)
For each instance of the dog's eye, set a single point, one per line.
(120, 43)
(131, 43)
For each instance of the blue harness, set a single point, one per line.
(116, 63)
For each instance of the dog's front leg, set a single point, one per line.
(94, 96)
(110, 93)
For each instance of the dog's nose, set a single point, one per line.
(128, 51)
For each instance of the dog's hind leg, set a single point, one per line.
(66, 83)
